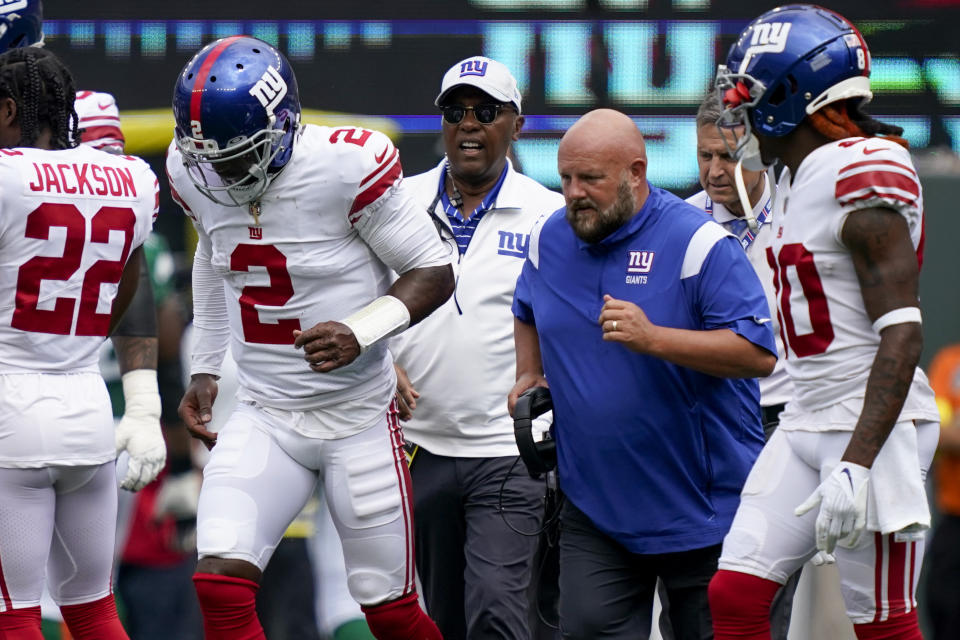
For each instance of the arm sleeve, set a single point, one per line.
(727, 293)
(381, 210)
(210, 321)
(879, 173)
(140, 319)
(401, 232)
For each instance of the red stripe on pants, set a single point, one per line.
(896, 598)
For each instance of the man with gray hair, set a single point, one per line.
(720, 199)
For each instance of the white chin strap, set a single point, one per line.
(744, 196)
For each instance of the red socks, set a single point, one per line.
(95, 620)
(21, 624)
(401, 619)
(740, 605)
(902, 627)
(229, 607)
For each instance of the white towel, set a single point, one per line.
(896, 498)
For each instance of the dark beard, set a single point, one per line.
(595, 228)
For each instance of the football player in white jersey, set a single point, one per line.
(299, 229)
(842, 478)
(135, 338)
(72, 221)
(750, 222)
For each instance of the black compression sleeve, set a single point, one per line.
(140, 320)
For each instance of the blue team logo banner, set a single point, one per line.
(513, 244)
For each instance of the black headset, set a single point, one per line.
(539, 457)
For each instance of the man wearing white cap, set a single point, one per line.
(471, 495)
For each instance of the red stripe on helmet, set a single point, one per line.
(203, 72)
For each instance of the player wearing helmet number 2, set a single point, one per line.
(842, 478)
(299, 229)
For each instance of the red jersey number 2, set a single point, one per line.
(277, 294)
(27, 316)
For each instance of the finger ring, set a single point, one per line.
(614, 325)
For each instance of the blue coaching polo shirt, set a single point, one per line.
(654, 453)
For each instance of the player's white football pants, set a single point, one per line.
(57, 522)
(261, 473)
(878, 576)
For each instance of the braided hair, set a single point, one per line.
(42, 88)
(846, 119)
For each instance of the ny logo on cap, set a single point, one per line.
(473, 68)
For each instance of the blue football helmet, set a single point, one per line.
(787, 64)
(21, 24)
(237, 113)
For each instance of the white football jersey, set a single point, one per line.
(829, 338)
(69, 220)
(331, 227)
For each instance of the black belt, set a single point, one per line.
(770, 416)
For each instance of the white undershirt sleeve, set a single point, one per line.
(210, 323)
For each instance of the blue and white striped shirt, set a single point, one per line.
(463, 229)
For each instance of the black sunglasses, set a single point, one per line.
(484, 113)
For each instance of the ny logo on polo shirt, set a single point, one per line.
(639, 262)
(513, 244)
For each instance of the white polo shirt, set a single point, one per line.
(461, 357)
(776, 388)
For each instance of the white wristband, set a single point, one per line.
(141, 393)
(386, 316)
(902, 315)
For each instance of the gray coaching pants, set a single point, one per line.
(475, 571)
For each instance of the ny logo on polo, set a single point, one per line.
(640, 262)
(513, 244)
(473, 68)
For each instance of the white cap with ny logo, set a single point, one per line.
(486, 74)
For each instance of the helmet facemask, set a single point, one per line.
(740, 92)
(241, 172)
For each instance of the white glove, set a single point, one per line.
(139, 431)
(843, 507)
